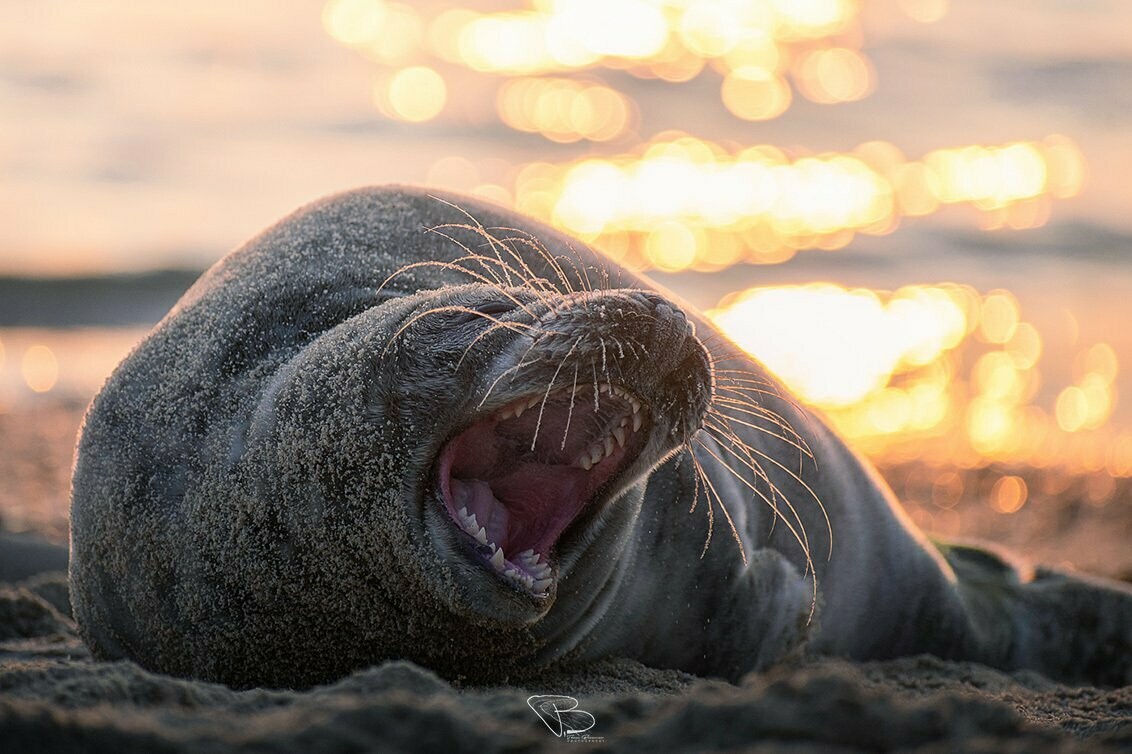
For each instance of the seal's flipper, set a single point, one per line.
(1071, 627)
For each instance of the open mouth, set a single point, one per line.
(515, 481)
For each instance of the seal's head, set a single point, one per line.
(553, 407)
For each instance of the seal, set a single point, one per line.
(410, 425)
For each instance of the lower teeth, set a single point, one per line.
(536, 579)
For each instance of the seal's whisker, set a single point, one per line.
(471, 273)
(478, 225)
(535, 245)
(726, 515)
(581, 265)
(519, 327)
(537, 285)
(801, 449)
(709, 489)
(570, 411)
(689, 451)
(723, 350)
(758, 412)
(723, 431)
(644, 348)
(604, 360)
(512, 370)
(743, 376)
(527, 275)
(481, 258)
(758, 389)
(549, 388)
(805, 486)
(720, 425)
(593, 366)
(799, 533)
(476, 340)
(577, 264)
(741, 397)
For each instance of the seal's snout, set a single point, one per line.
(595, 390)
(642, 340)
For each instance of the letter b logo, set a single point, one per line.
(560, 714)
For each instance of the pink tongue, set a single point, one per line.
(475, 495)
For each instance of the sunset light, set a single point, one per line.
(761, 51)
(761, 205)
(951, 373)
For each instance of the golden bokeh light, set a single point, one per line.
(40, 368)
(753, 93)
(836, 346)
(353, 22)
(750, 43)
(988, 177)
(564, 110)
(1009, 494)
(415, 94)
(999, 317)
(911, 371)
(834, 75)
(757, 202)
(1100, 360)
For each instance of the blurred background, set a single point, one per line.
(916, 212)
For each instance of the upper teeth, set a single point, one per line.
(601, 448)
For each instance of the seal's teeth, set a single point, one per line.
(540, 585)
(637, 420)
(505, 414)
(463, 513)
(541, 571)
(481, 536)
(597, 452)
(519, 409)
(608, 446)
(636, 405)
(624, 421)
(620, 434)
(534, 399)
(527, 556)
(584, 461)
(472, 524)
(497, 560)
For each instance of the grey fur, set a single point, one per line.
(254, 498)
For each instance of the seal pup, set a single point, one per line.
(403, 425)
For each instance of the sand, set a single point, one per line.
(54, 697)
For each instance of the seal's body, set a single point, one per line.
(380, 431)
